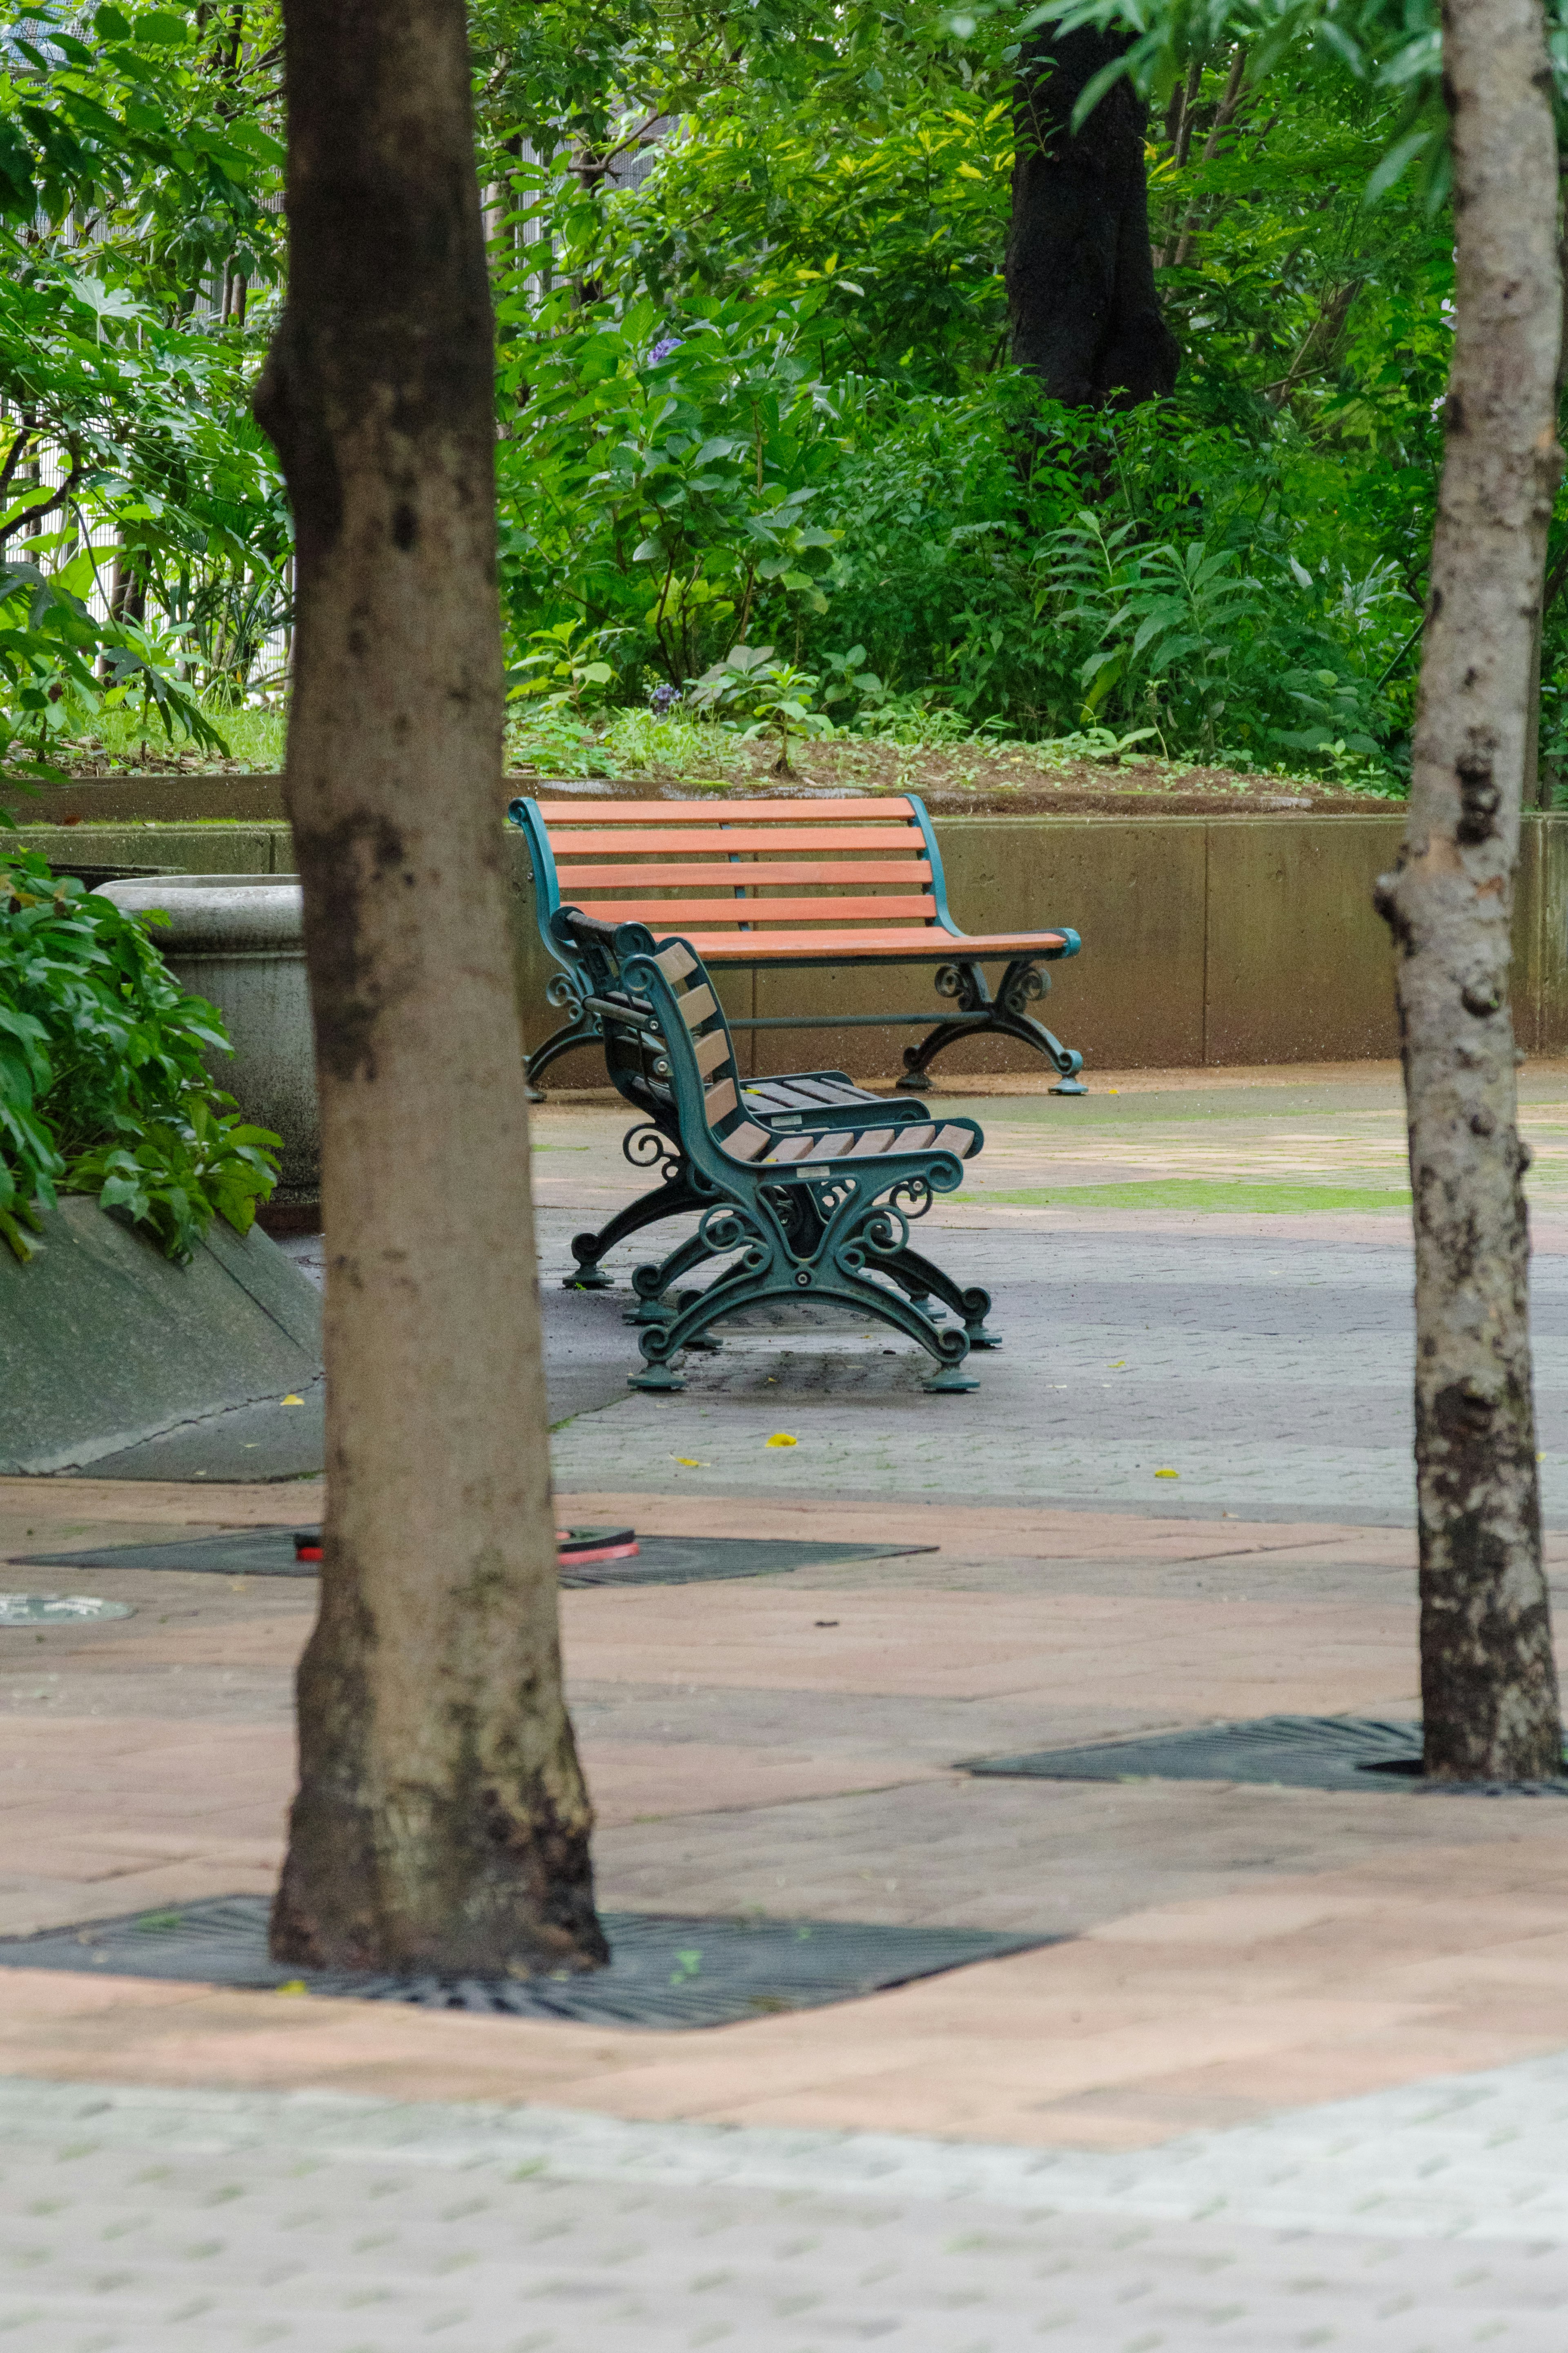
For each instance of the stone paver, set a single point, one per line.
(1414, 2223)
(1272, 1376)
(1295, 2079)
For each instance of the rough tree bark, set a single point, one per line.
(1080, 276)
(1489, 1684)
(441, 1821)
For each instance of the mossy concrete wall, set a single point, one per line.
(1206, 940)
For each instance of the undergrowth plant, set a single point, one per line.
(103, 1088)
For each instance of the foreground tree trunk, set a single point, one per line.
(441, 1821)
(1489, 1684)
(1080, 276)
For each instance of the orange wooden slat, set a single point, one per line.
(725, 875)
(704, 812)
(929, 944)
(738, 837)
(675, 914)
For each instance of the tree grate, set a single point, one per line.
(659, 1560)
(666, 1971)
(1296, 1752)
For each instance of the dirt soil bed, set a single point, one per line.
(955, 780)
(1011, 781)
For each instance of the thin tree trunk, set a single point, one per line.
(441, 1821)
(1489, 1684)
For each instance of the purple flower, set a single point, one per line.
(663, 348)
(663, 700)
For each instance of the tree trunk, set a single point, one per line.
(1489, 1684)
(441, 1821)
(1080, 276)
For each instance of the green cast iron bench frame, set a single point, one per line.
(812, 1204)
(731, 875)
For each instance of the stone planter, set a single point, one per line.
(237, 940)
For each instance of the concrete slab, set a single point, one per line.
(111, 1356)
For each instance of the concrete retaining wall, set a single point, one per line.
(1224, 940)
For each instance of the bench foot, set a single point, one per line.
(951, 1378)
(657, 1376)
(980, 1015)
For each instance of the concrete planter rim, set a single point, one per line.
(217, 914)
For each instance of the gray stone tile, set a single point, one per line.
(1417, 2221)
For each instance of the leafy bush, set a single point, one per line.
(102, 1088)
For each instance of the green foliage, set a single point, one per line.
(661, 483)
(773, 697)
(137, 156)
(761, 397)
(102, 1086)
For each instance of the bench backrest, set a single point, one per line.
(693, 1044)
(863, 868)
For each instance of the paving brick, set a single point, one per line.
(129, 2222)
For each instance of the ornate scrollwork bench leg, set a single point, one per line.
(825, 1242)
(643, 1147)
(1005, 1014)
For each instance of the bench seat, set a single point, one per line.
(928, 943)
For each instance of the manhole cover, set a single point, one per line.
(56, 1609)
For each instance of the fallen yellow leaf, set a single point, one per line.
(688, 1462)
(295, 1985)
(1167, 1474)
(782, 1438)
(291, 1400)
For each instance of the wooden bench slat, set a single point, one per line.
(678, 915)
(711, 1050)
(722, 873)
(931, 942)
(738, 837)
(823, 1091)
(704, 812)
(698, 1005)
(721, 1100)
(676, 963)
(746, 1141)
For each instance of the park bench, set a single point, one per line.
(812, 1202)
(772, 885)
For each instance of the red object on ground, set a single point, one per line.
(576, 1544)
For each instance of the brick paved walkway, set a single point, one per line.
(1408, 2223)
(1295, 2076)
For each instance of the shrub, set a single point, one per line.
(102, 1088)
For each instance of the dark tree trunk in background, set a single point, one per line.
(1489, 1684)
(1080, 277)
(441, 1821)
